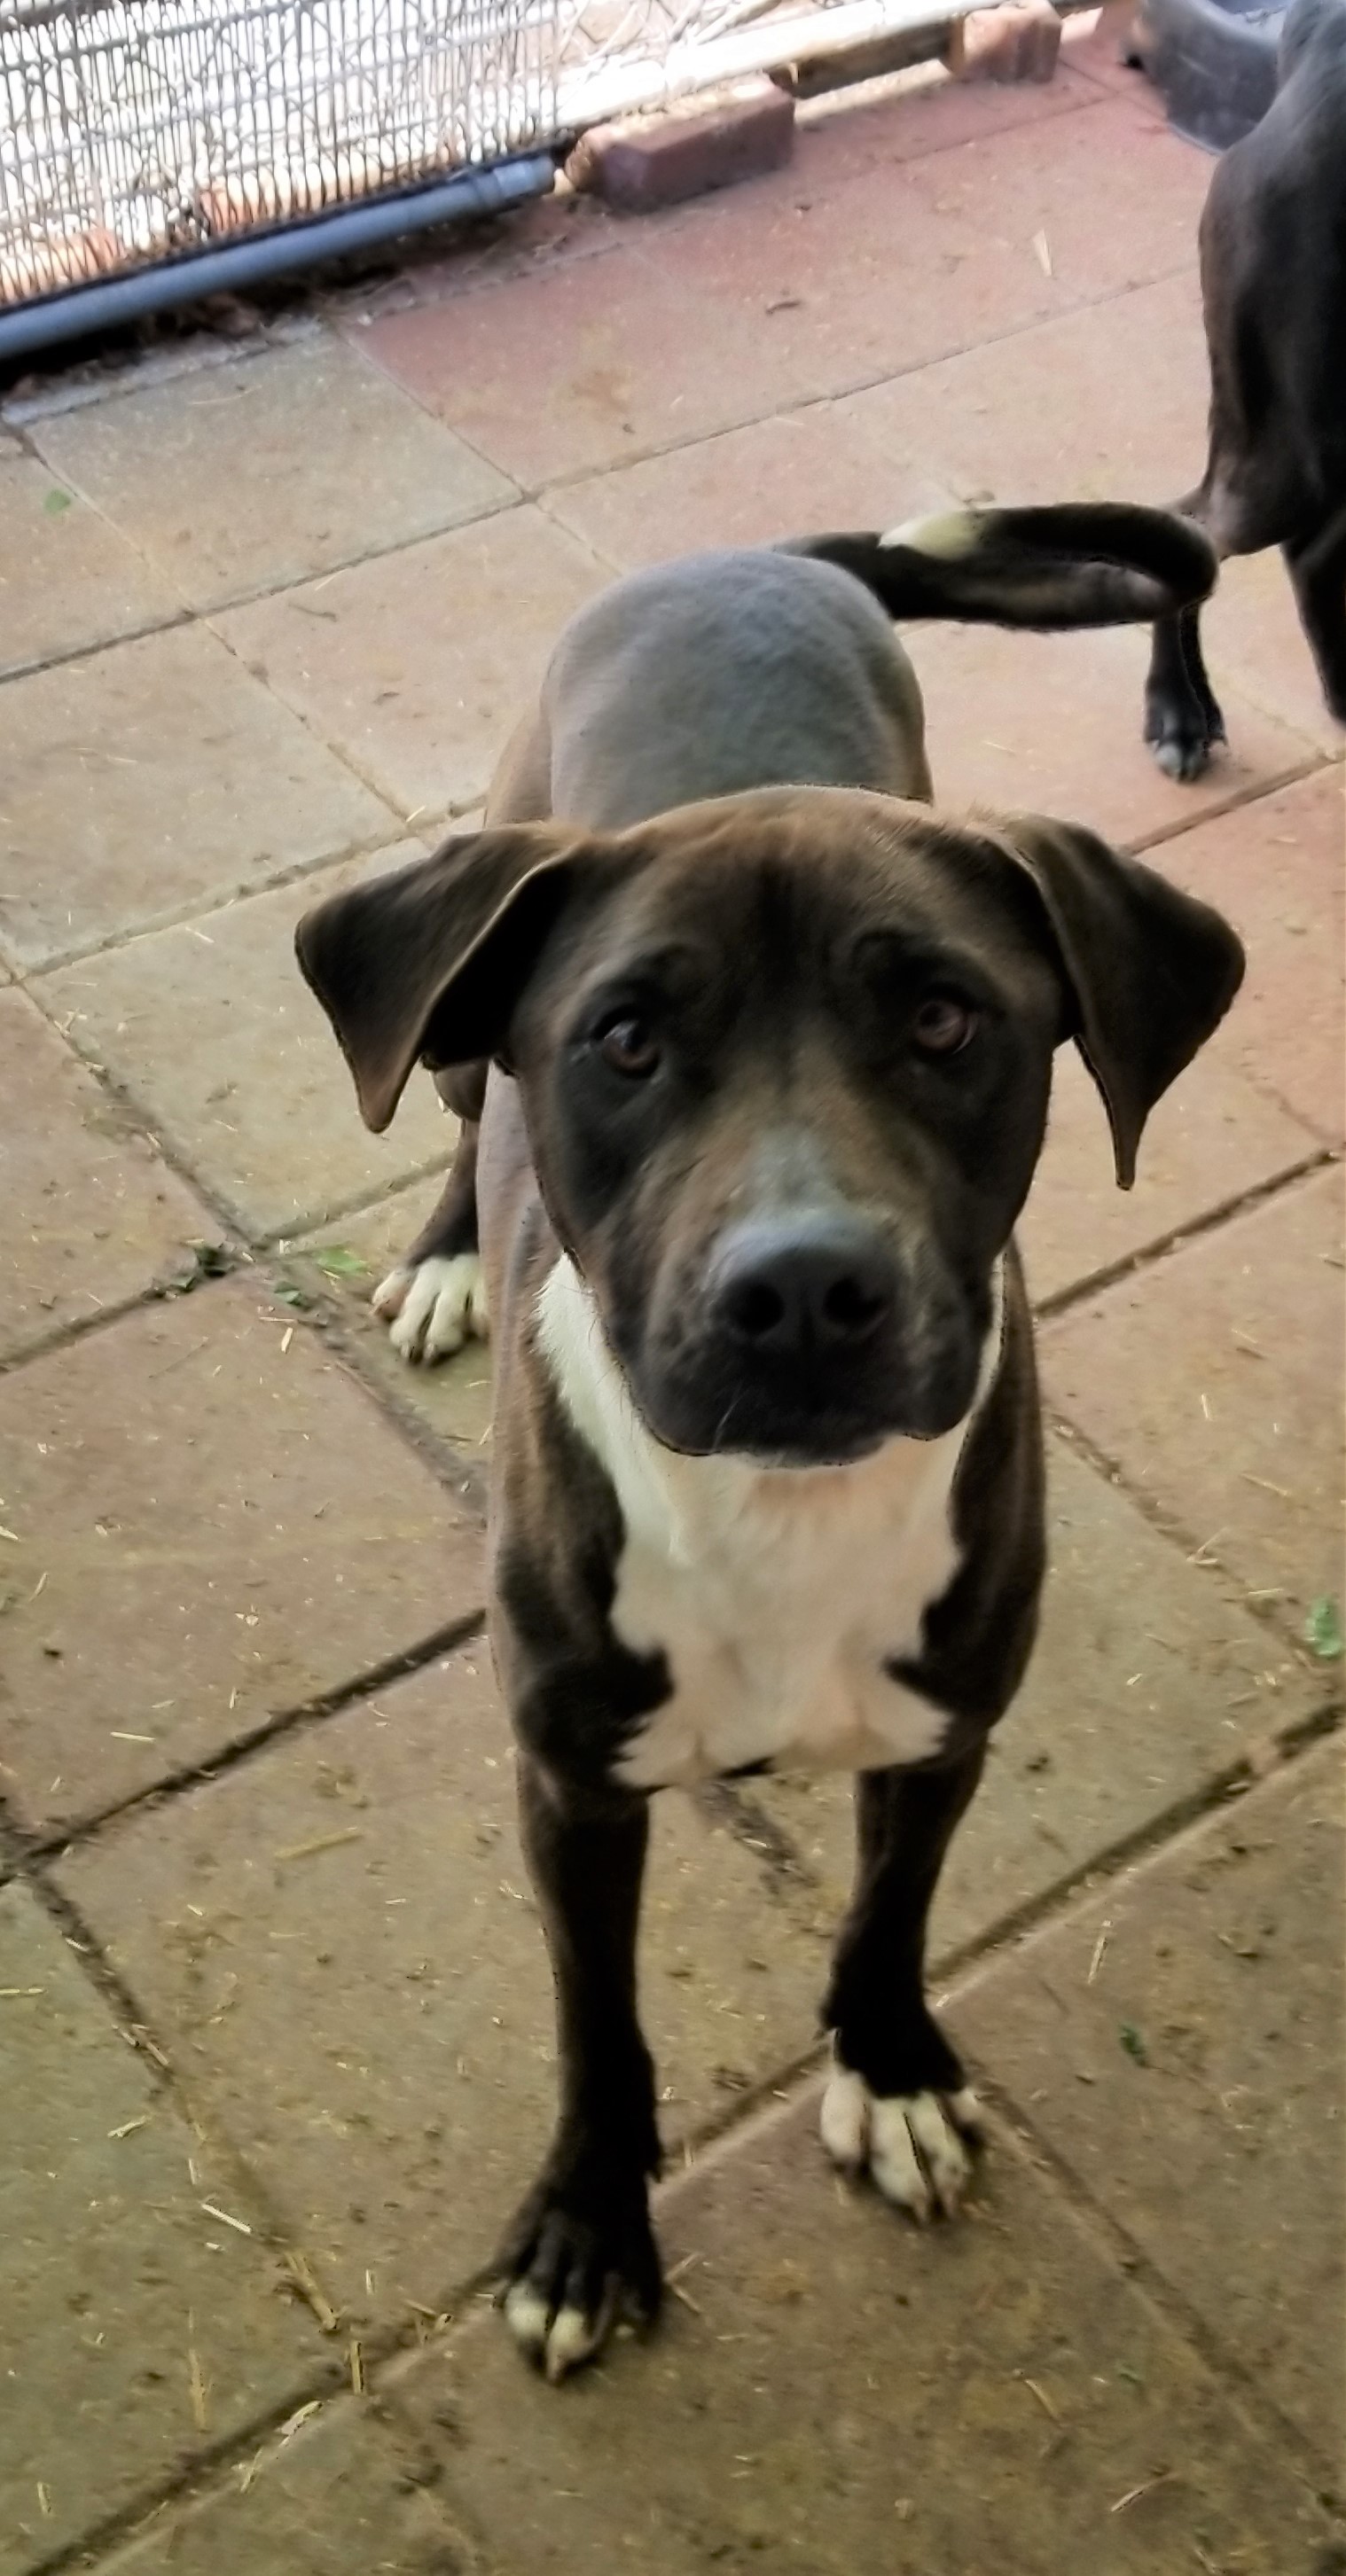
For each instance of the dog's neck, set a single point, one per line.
(680, 1501)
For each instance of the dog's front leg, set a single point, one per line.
(435, 1299)
(897, 2106)
(581, 2252)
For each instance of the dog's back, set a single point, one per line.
(730, 670)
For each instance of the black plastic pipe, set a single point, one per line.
(108, 303)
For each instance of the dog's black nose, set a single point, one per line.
(788, 1286)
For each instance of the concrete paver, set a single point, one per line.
(1133, 429)
(416, 666)
(211, 1031)
(1211, 1138)
(67, 580)
(1112, 203)
(617, 357)
(1180, 2044)
(1277, 868)
(89, 1215)
(452, 1402)
(150, 779)
(371, 2021)
(1150, 1680)
(136, 2331)
(337, 2492)
(1051, 724)
(917, 113)
(1215, 1383)
(208, 1527)
(843, 2392)
(817, 468)
(269, 470)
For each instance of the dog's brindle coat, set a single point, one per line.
(770, 1078)
(1273, 286)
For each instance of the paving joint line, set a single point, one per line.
(1256, 790)
(462, 1475)
(293, 1241)
(1170, 1526)
(1062, 1301)
(159, 1292)
(204, 2474)
(45, 1845)
(1276, 2430)
(295, 873)
(62, 655)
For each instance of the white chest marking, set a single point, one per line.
(776, 1594)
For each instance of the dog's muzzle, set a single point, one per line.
(812, 1344)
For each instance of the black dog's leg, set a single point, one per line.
(581, 2252)
(1183, 722)
(897, 2105)
(1318, 572)
(434, 1300)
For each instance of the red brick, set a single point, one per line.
(645, 162)
(1018, 41)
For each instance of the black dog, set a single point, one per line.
(1273, 283)
(768, 1081)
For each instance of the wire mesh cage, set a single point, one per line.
(135, 132)
(132, 130)
(618, 55)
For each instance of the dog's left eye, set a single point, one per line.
(943, 1025)
(628, 1046)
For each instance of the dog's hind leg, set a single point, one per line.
(1318, 572)
(1183, 720)
(581, 2253)
(435, 1300)
(897, 2105)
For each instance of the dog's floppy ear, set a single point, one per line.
(429, 961)
(1150, 971)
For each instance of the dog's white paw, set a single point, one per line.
(556, 2340)
(434, 1306)
(914, 2146)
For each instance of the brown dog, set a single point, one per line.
(769, 1080)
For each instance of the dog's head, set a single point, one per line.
(784, 1061)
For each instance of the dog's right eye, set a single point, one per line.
(628, 1045)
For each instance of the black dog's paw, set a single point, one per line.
(1182, 733)
(580, 2258)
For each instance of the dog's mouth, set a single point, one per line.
(801, 1419)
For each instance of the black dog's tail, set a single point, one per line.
(1101, 563)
